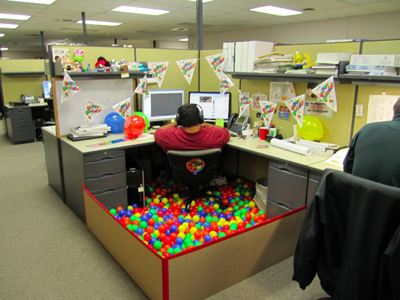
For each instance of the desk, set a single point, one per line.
(19, 121)
(101, 168)
(102, 163)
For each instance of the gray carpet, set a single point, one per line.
(46, 252)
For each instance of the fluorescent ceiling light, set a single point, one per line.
(3, 49)
(8, 25)
(34, 1)
(204, 1)
(275, 10)
(184, 40)
(2, 34)
(140, 10)
(14, 16)
(104, 23)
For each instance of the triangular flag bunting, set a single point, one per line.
(217, 63)
(326, 92)
(92, 110)
(159, 70)
(226, 83)
(244, 103)
(69, 88)
(296, 107)
(267, 110)
(187, 68)
(143, 87)
(124, 108)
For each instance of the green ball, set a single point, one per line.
(113, 211)
(157, 245)
(143, 224)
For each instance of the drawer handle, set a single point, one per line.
(286, 170)
(282, 205)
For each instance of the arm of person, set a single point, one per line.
(172, 124)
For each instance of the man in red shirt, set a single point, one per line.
(189, 132)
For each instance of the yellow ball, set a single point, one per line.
(157, 233)
(216, 206)
(156, 201)
(182, 228)
(165, 200)
(252, 204)
(213, 233)
(175, 196)
(181, 235)
(130, 207)
(196, 218)
(193, 230)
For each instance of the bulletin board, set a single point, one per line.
(105, 92)
(380, 107)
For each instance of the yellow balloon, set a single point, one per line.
(311, 130)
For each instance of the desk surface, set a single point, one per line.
(250, 144)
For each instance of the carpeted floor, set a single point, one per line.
(46, 252)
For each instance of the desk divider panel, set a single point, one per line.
(107, 92)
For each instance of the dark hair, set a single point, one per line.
(189, 115)
(396, 107)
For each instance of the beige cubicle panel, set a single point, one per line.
(174, 79)
(22, 77)
(91, 54)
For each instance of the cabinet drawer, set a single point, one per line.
(313, 182)
(22, 123)
(106, 182)
(23, 134)
(113, 198)
(106, 166)
(287, 184)
(276, 209)
(19, 112)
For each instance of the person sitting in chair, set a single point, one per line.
(189, 132)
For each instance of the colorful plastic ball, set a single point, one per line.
(207, 238)
(139, 113)
(311, 129)
(134, 126)
(157, 245)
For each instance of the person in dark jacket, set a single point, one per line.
(374, 152)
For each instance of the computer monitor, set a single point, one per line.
(47, 89)
(162, 105)
(215, 106)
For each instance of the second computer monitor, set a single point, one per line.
(215, 106)
(162, 105)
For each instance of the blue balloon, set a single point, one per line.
(116, 122)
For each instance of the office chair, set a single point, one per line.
(195, 168)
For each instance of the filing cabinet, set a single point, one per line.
(287, 188)
(314, 178)
(19, 124)
(105, 177)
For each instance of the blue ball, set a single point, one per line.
(116, 122)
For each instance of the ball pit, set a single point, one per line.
(165, 226)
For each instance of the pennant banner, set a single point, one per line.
(244, 103)
(267, 110)
(296, 107)
(217, 63)
(143, 87)
(226, 84)
(124, 108)
(187, 68)
(69, 88)
(92, 110)
(159, 70)
(327, 93)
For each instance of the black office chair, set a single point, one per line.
(195, 169)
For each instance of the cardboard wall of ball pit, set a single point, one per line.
(200, 272)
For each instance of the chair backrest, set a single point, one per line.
(194, 165)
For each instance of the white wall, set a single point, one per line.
(371, 27)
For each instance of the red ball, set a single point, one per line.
(134, 126)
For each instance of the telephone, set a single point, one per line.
(237, 124)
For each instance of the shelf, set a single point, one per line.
(105, 75)
(316, 78)
(39, 73)
(282, 77)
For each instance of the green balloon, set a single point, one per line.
(140, 114)
(311, 129)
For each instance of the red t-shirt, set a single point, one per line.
(175, 138)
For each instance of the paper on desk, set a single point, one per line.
(338, 158)
(291, 147)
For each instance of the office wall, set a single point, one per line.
(370, 27)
